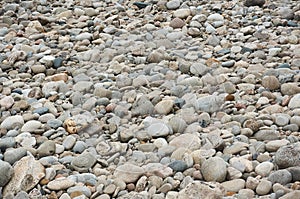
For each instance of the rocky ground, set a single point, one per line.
(155, 99)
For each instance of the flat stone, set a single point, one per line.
(129, 173)
(188, 141)
(182, 13)
(13, 155)
(83, 162)
(60, 184)
(31, 126)
(12, 122)
(234, 185)
(27, 174)
(47, 148)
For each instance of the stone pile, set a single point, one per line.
(155, 99)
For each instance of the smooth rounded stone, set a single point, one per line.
(198, 69)
(142, 106)
(198, 189)
(158, 130)
(295, 120)
(27, 173)
(215, 17)
(6, 172)
(274, 145)
(177, 23)
(172, 5)
(270, 82)
(280, 176)
(84, 36)
(294, 102)
(54, 123)
(79, 147)
(83, 162)
(38, 69)
(287, 156)
(228, 64)
(178, 166)
(264, 187)
(281, 119)
(290, 88)
(13, 155)
(45, 117)
(164, 107)
(214, 169)
(178, 125)
(31, 126)
(259, 3)
(234, 185)
(129, 173)
(104, 196)
(47, 148)
(80, 189)
(263, 169)
(69, 142)
(8, 142)
(165, 188)
(57, 62)
(7, 102)
(61, 183)
(41, 110)
(292, 194)
(295, 171)
(263, 135)
(188, 141)
(245, 194)
(110, 189)
(182, 13)
(12, 122)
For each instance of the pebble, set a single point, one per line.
(214, 169)
(264, 168)
(287, 156)
(83, 162)
(234, 185)
(264, 187)
(31, 126)
(6, 171)
(60, 184)
(281, 176)
(129, 172)
(12, 122)
(13, 155)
